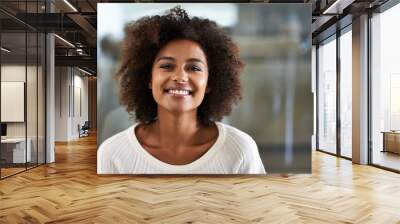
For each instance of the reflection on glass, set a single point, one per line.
(385, 84)
(327, 96)
(345, 94)
(41, 97)
(31, 100)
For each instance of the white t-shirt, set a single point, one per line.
(234, 152)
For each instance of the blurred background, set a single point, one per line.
(275, 43)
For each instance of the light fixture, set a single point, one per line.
(5, 50)
(70, 5)
(80, 51)
(84, 71)
(329, 9)
(337, 7)
(64, 40)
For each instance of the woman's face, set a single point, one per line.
(179, 76)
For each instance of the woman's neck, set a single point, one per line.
(175, 131)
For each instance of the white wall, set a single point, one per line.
(12, 73)
(70, 83)
(61, 103)
(79, 117)
(33, 126)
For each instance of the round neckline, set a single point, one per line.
(204, 158)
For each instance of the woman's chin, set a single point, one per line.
(179, 109)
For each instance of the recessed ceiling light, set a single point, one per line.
(337, 7)
(84, 71)
(70, 5)
(64, 40)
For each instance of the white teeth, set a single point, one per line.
(178, 92)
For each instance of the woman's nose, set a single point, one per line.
(180, 76)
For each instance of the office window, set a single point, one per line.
(385, 88)
(346, 93)
(314, 91)
(327, 96)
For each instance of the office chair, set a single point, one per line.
(84, 130)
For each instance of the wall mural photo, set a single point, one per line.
(204, 88)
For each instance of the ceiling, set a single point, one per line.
(76, 22)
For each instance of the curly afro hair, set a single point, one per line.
(144, 39)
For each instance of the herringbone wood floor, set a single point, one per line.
(69, 191)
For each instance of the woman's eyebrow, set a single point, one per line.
(173, 59)
(196, 60)
(166, 58)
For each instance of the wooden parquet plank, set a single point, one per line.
(70, 191)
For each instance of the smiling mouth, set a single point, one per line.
(179, 92)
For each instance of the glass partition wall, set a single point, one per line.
(22, 87)
(13, 110)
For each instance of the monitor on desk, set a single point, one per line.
(3, 130)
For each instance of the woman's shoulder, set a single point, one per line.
(115, 152)
(237, 136)
(238, 140)
(246, 147)
(117, 142)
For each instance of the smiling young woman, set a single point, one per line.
(179, 76)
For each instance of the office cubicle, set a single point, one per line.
(22, 77)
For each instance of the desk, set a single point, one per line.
(16, 148)
(391, 141)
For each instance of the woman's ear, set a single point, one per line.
(208, 90)
(149, 85)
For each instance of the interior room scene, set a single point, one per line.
(51, 65)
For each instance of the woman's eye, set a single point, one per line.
(166, 66)
(195, 68)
